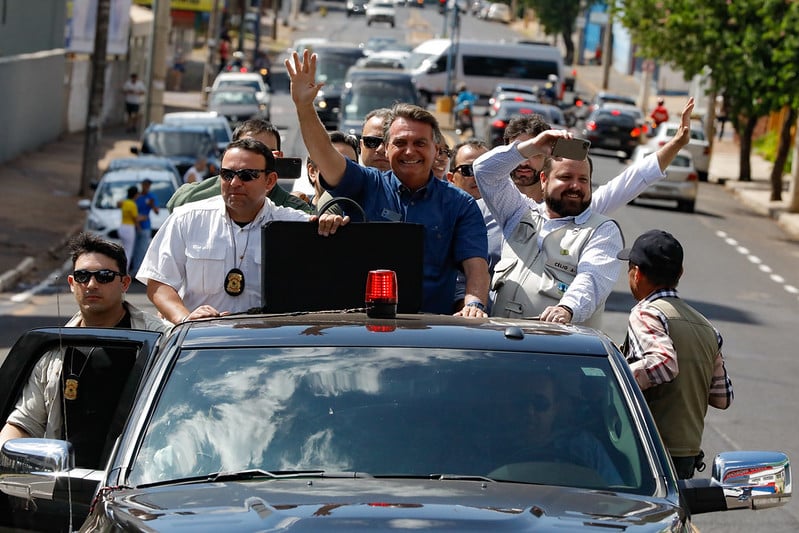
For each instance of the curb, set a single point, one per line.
(10, 277)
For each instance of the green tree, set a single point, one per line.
(558, 18)
(751, 47)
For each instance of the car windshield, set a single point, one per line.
(391, 412)
(332, 67)
(233, 98)
(178, 143)
(240, 83)
(110, 193)
(369, 95)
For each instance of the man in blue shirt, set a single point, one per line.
(455, 233)
(145, 202)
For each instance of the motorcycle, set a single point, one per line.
(464, 119)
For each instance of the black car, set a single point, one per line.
(335, 420)
(502, 111)
(367, 89)
(333, 62)
(613, 129)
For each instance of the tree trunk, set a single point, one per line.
(569, 43)
(746, 149)
(782, 155)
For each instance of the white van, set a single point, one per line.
(481, 65)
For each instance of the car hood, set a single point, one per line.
(371, 504)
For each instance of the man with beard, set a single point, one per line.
(508, 200)
(559, 257)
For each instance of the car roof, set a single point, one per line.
(190, 128)
(416, 330)
(194, 115)
(137, 174)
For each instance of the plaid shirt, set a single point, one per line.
(650, 352)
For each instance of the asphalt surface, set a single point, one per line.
(40, 188)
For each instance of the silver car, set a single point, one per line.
(237, 104)
(681, 182)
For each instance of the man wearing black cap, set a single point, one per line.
(673, 351)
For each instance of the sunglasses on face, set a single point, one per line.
(465, 170)
(371, 141)
(244, 174)
(102, 276)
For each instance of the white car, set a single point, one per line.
(104, 216)
(698, 145)
(499, 12)
(381, 11)
(248, 79)
(680, 184)
(210, 119)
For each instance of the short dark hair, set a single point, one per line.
(89, 243)
(255, 126)
(473, 142)
(342, 138)
(412, 112)
(529, 124)
(251, 145)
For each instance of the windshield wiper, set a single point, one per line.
(439, 477)
(257, 473)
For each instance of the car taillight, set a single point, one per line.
(499, 124)
(381, 294)
(706, 151)
(661, 143)
(692, 177)
(635, 132)
(590, 125)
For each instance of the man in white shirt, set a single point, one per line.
(205, 261)
(509, 205)
(134, 91)
(196, 173)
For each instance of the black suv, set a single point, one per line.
(613, 129)
(367, 89)
(335, 420)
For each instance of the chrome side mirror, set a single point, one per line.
(29, 468)
(753, 479)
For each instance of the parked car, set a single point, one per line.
(146, 162)
(333, 62)
(680, 184)
(104, 216)
(503, 111)
(237, 104)
(248, 79)
(381, 11)
(613, 129)
(180, 144)
(217, 123)
(499, 12)
(699, 146)
(369, 89)
(317, 421)
(356, 7)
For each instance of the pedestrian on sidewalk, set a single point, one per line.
(134, 91)
(145, 202)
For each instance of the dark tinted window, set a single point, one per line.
(366, 95)
(394, 411)
(508, 67)
(179, 143)
(332, 66)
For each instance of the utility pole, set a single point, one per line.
(94, 116)
(212, 38)
(156, 79)
(607, 53)
(793, 189)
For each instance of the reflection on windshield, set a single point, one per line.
(176, 143)
(393, 411)
(111, 193)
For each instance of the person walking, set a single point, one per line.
(134, 91)
(660, 114)
(145, 203)
(131, 223)
(674, 352)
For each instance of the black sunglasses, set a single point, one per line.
(371, 141)
(244, 174)
(466, 170)
(102, 276)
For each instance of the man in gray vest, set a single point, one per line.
(673, 351)
(559, 257)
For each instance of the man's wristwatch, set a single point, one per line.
(478, 304)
